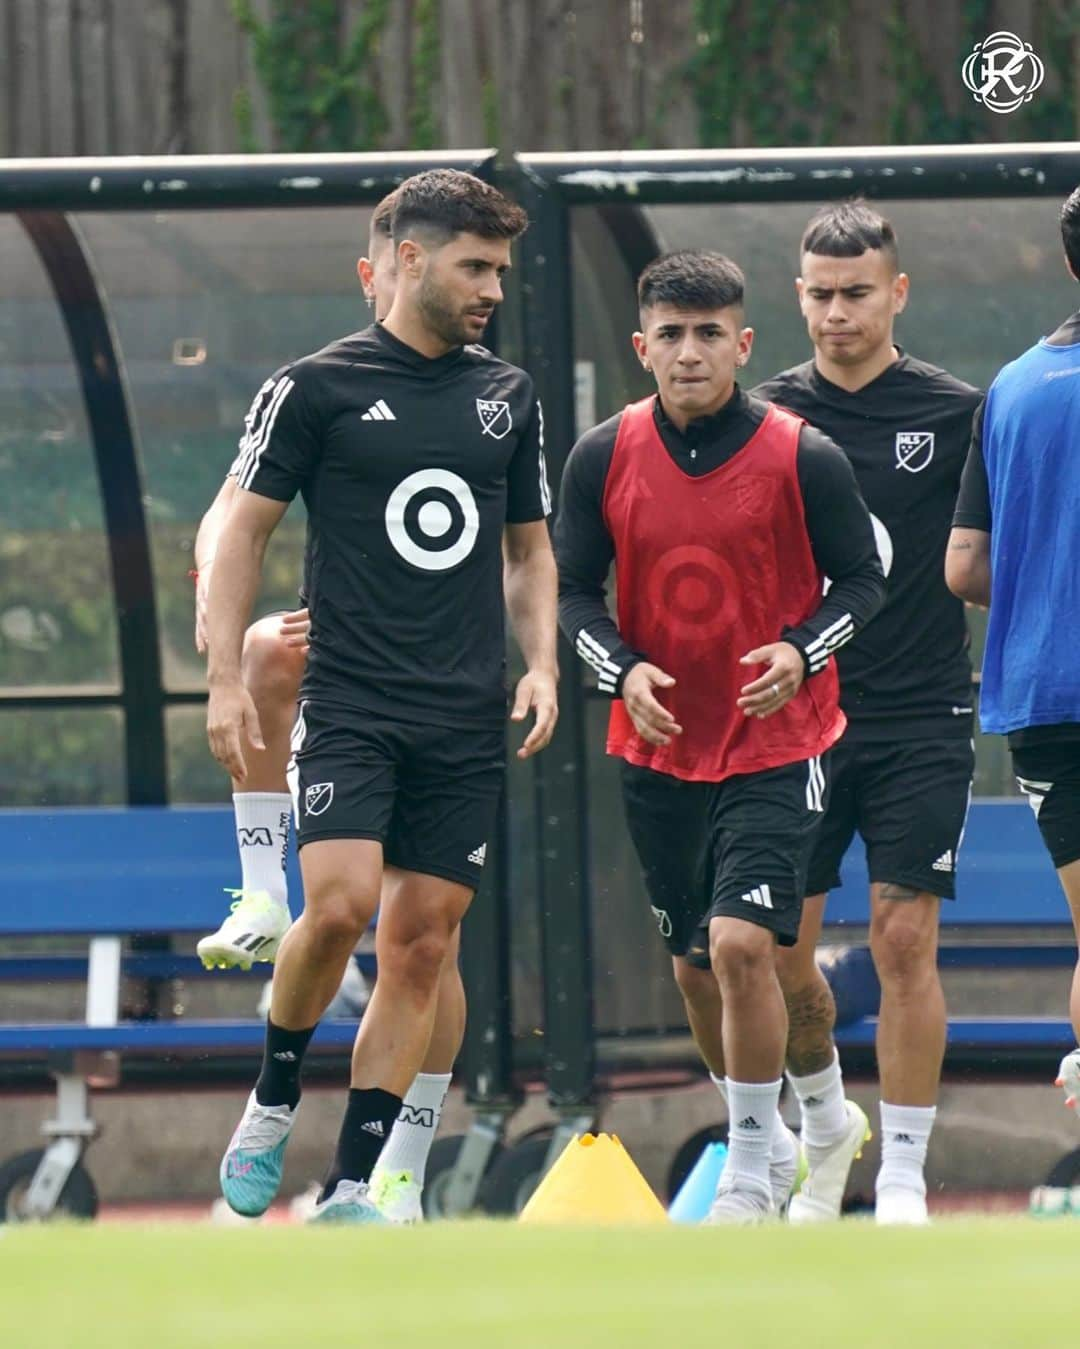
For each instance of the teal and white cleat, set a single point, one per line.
(251, 1168)
(252, 932)
(351, 1202)
(822, 1191)
(396, 1195)
(1068, 1078)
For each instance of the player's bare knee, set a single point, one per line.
(336, 921)
(416, 960)
(903, 944)
(271, 670)
(741, 953)
(697, 986)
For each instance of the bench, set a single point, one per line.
(105, 876)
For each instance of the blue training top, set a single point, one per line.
(1031, 445)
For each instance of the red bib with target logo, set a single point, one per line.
(707, 569)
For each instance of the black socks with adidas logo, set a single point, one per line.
(283, 1057)
(369, 1117)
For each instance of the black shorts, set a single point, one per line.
(1049, 776)
(908, 799)
(732, 849)
(429, 794)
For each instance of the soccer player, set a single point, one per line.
(1014, 547)
(420, 460)
(902, 773)
(722, 514)
(272, 665)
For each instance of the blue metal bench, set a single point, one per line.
(104, 876)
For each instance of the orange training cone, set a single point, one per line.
(594, 1181)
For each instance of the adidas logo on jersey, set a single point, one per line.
(759, 895)
(374, 1126)
(478, 856)
(945, 861)
(379, 412)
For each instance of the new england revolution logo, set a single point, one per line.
(1003, 72)
(495, 419)
(432, 520)
(914, 450)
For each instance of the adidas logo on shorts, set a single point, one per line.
(760, 895)
(945, 862)
(478, 856)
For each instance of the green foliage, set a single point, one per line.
(764, 73)
(423, 115)
(323, 91)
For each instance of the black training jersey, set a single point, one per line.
(907, 674)
(409, 469)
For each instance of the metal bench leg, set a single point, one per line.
(70, 1131)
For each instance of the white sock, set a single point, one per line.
(413, 1133)
(753, 1111)
(821, 1100)
(262, 837)
(781, 1146)
(905, 1132)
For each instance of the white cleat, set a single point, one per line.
(740, 1207)
(252, 932)
(822, 1192)
(896, 1206)
(783, 1173)
(350, 1203)
(397, 1196)
(1069, 1078)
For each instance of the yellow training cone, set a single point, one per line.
(594, 1181)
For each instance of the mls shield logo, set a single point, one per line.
(495, 419)
(914, 450)
(755, 495)
(317, 798)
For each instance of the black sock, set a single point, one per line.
(283, 1057)
(369, 1117)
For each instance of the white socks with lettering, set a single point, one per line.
(262, 838)
(414, 1129)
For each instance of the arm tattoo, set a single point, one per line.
(963, 546)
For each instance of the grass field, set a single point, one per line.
(960, 1283)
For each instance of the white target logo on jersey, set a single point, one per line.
(884, 544)
(432, 520)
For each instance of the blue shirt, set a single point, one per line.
(1031, 447)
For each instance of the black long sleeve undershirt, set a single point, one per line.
(837, 521)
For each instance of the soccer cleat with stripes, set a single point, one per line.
(396, 1195)
(822, 1192)
(250, 1172)
(350, 1202)
(1069, 1078)
(252, 932)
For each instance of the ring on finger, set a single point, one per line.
(775, 690)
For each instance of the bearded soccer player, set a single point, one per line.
(1014, 547)
(722, 514)
(902, 773)
(272, 666)
(420, 461)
